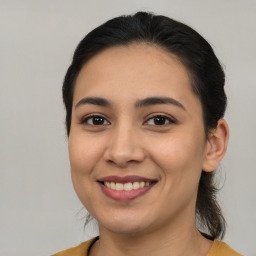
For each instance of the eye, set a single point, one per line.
(159, 120)
(95, 120)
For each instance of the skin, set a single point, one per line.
(162, 221)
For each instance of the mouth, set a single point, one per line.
(125, 188)
(128, 186)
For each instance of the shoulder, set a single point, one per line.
(220, 248)
(80, 250)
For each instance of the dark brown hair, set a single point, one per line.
(207, 81)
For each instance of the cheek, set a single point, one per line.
(178, 151)
(83, 154)
(181, 160)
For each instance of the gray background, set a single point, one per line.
(40, 213)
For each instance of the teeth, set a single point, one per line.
(142, 184)
(126, 186)
(113, 185)
(136, 185)
(119, 186)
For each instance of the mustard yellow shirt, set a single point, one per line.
(218, 249)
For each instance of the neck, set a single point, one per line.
(175, 241)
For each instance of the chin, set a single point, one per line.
(125, 225)
(125, 230)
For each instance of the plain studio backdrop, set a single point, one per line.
(40, 213)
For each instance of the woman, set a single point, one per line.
(145, 99)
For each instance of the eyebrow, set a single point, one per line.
(150, 101)
(94, 101)
(158, 100)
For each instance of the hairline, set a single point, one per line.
(191, 75)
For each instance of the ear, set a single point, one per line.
(216, 146)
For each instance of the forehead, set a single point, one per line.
(134, 71)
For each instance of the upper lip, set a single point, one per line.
(125, 179)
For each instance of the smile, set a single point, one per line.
(125, 188)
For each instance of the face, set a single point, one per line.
(137, 143)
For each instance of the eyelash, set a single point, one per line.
(87, 118)
(90, 117)
(166, 118)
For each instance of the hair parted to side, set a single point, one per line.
(207, 82)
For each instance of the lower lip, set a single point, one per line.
(124, 195)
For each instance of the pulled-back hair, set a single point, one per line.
(206, 75)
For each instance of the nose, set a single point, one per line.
(124, 148)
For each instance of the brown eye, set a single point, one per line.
(159, 120)
(95, 120)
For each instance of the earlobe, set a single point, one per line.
(216, 146)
